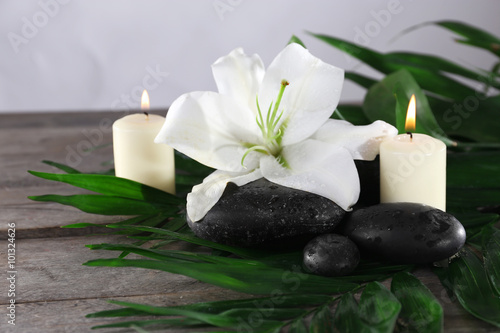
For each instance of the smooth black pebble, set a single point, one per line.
(407, 233)
(331, 255)
(264, 213)
(369, 181)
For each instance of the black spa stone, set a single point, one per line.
(369, 180)
(264, 213)
(331, 255)
(407, 233)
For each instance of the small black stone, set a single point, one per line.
(264, 213)
(407, 233)
(369, 181)
(331, 255)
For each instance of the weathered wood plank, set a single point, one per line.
(69, 315)
(26, 141)
(63, 138)
(25, 151)
(64, 119)
(48, 317)
(44, 219)
(51, 269)
(54, 291)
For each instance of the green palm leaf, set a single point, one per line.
(422, 67)
(113, 186)
(377, 311)
(322, 320)
(492, 259)
(420, 311)
(260, 279)
(473, 36)
(467, 279)
(108, 205)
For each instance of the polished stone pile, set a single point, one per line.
(262, 213)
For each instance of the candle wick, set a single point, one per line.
(411, 135)
(146, 114)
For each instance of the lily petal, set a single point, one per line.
(205, 195)
(311, 96)
(212, 129)
(316, 167)
(239, 76)
(362, 142)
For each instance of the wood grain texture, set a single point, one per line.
(54, 291)
(38, 219)
(47, 316)
(50, 269)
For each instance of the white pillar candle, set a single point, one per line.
(413, 169)
(136, 155)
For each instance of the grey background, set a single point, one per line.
(63, 55)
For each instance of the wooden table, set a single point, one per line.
(53, 291)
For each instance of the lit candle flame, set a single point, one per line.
(145, 100)
(411, 121)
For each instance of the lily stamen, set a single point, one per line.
(261, 149)
(271, 135)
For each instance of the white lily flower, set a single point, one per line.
(273, 124)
